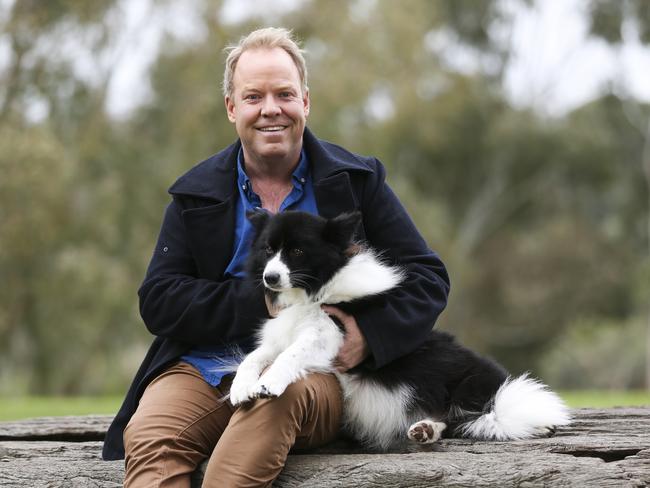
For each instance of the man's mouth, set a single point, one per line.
(274, 128)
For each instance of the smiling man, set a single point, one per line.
(269, 104)
(197, 302)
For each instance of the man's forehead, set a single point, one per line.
(265, 52)
(265, 63)
(264, 83)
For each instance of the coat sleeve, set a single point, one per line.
(176, 303)
(397, 322)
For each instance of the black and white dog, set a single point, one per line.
(305, 261)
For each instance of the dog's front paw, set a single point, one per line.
(241, 392)
(268, 387)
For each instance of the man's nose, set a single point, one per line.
(270, 106)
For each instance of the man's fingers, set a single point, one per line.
(354, 348)
(337, 314)
(339, 365)
(331, 311)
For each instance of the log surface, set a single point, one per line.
(600, 448)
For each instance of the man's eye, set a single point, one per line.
(296, 252)
(251, 97)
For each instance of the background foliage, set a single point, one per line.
(543, 221)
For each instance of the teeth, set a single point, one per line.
(271, 129)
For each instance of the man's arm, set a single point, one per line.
(176, 303)
(397, 322)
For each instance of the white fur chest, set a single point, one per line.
(295, 321)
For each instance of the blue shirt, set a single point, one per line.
(214, 362)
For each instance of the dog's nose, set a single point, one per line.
(272, 279)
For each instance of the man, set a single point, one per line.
(196, 302)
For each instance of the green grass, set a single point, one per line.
(606, 398)
(33, 406)
(27, 407)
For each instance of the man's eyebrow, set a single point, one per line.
(280, 87)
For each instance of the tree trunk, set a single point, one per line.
(600, 448)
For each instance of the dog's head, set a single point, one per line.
(298, 250)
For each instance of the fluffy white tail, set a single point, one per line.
(522, 408)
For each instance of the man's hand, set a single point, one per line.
(355, 348)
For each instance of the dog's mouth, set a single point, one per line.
(276, 289)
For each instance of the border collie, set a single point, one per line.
(304, 261)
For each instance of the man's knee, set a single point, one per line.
(307, 413)
(143, 433)
(321, 399)
(157, 455)
(315, 387)
(313, 401)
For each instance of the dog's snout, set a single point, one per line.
(271, 279)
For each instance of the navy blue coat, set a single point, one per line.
(186, 301)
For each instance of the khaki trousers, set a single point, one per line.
(182, 420)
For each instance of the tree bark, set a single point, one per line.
(600, 448)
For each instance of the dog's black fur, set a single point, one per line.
(450, 383)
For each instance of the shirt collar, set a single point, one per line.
(242, 178)
(301, 172)
(298, 177)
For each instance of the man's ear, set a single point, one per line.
(306, 103)
(230, 108)
(258, 220)
(340, 230)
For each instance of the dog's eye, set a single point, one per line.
(296, 252)
(268, 250)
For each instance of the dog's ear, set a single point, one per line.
(340, 230)
(258, 220)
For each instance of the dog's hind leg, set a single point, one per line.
(426, 431)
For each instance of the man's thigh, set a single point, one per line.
(322, 422)
(179, 406)
(253, 449)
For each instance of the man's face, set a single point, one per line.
(268, 106)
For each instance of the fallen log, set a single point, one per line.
(600, 448)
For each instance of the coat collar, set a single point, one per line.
(215, 178)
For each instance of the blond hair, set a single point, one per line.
(267, 38)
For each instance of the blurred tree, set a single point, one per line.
(56, 217)
(608, 19)
(32, 212)
(617, 22)
(541, 221)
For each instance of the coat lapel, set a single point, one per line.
(209, 190)
(332, 168)
(334, 195)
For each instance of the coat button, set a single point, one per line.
(165, 249)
